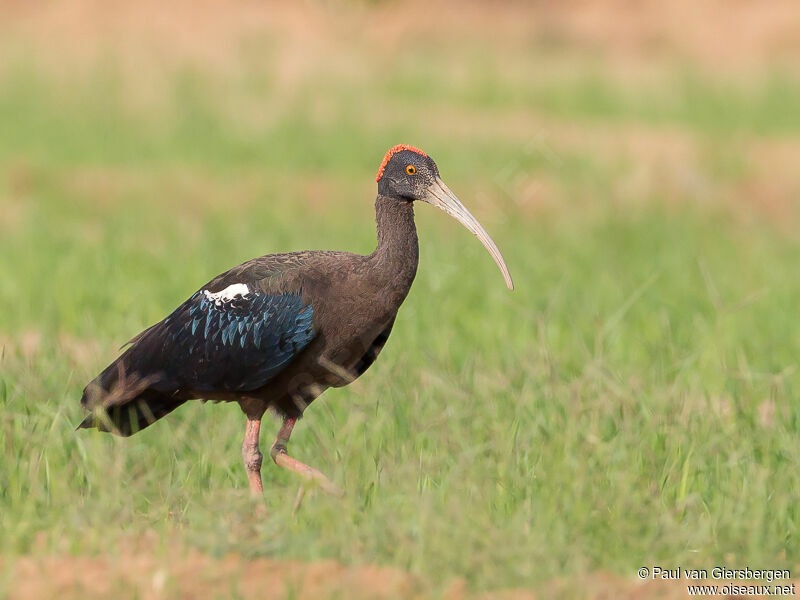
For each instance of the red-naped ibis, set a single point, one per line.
(277, 331)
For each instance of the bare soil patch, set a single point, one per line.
(194, 575)
(199, 576)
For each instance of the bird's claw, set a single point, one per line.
(282, 459)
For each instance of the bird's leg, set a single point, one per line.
(282, 459)
(252, 455)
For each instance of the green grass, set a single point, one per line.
(632, 402)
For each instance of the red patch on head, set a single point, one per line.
(391, 153)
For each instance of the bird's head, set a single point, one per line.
(408, 174)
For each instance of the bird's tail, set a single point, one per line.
(123, 403)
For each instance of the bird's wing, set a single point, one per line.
(235, 339)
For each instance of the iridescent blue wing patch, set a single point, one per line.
(236, 339)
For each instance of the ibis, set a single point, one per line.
(276, 331)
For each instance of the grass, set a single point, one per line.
(633, 402)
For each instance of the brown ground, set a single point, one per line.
(195, 575)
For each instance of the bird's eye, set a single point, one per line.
(411, 169)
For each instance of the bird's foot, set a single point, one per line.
(282, 459)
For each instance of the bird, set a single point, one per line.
(275, 332)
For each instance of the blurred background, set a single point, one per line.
(633, 402)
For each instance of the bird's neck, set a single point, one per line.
(397, 254)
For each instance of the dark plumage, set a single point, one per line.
(278, 330)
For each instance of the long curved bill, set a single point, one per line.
(440, 196)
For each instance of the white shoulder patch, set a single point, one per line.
(229, 293)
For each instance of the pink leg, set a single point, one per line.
(282, 459)
(252, 456)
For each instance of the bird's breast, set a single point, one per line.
(350, 324)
